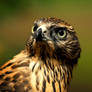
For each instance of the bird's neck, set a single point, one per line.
(44, 74)
(54, 73)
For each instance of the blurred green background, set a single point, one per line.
(17, 16)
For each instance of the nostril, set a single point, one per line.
(45, 31)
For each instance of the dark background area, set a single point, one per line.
(16, 19)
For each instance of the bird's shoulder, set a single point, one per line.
(14, 74)
(25, 74)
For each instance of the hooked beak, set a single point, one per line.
(40, 34)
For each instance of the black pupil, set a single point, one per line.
(35, 27)
(61, 32)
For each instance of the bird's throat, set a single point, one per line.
(42, 50)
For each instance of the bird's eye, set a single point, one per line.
(61, 32)
(34, 28)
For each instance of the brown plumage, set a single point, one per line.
(46, 64)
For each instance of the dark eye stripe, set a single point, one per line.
(59, 28)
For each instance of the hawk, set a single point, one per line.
(46, 63)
